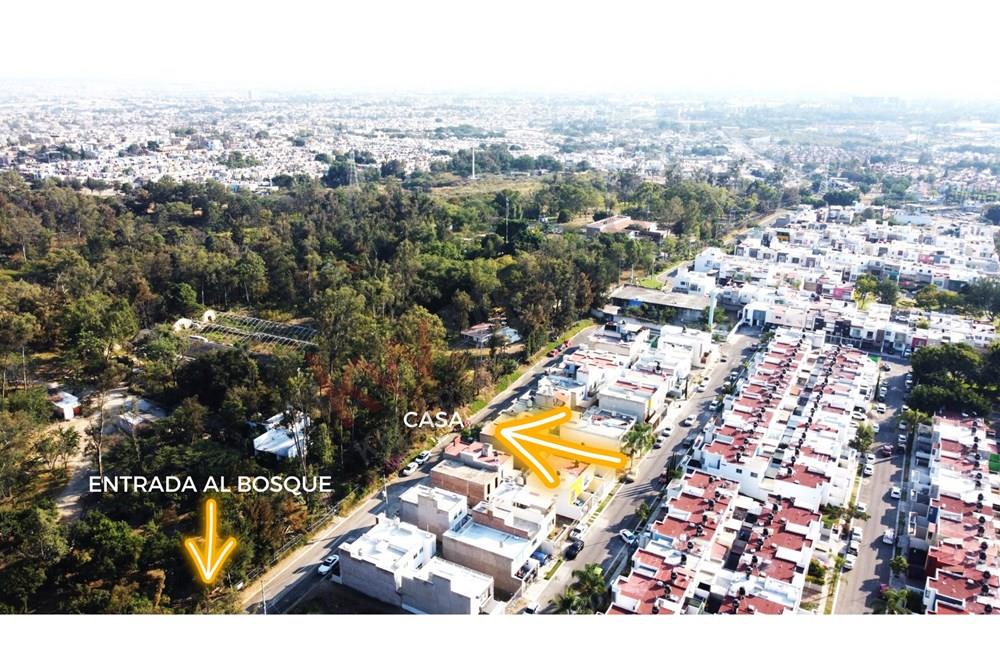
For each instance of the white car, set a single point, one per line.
(890, 536)
(688, 421)
(849, 561)
(861, 507)
(422, 458)
(668, 430)
(869, 458)
(874, 427)
(896, 492)
(328, 564)
(410, 469)
(869, 470)
(715, 405)
(880, 408)
(627, 536)
(853, 548)
(857, 533)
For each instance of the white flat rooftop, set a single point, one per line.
(390, 545)
(490, 539)
(464, 581)
(444, 499)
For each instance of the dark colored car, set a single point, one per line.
(574, 549)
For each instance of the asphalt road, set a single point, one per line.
(859, 587)
(602, 542)
(294, 577)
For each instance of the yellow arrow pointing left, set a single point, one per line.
(209, 561)
(528, 437)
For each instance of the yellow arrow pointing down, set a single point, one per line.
(528, 437)
(209, 562)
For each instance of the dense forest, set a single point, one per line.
(386, 275)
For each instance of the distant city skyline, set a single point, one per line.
(744, 49)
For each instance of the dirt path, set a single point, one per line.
(68, 500)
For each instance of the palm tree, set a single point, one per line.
(591, 587)
(899, 565)
(894, 601)
(569, 602)
(639, 439)
(913, 418)
(642, 512)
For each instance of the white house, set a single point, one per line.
(279, 440)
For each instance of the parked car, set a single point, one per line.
(422, 458)
(849, 561)
(328, 564)
(875, 427)
(410, 468)
(880, 408)
(688, 421)
(890, 536)
(869, 457)
(714, 405)
(869, 470)
(886, 366)
(857, 533)
(627, 536)
(885, 450)
(896, 492)
(574, 549)
(861, 507)
(667, 431)
(576, 533)
(853, 548)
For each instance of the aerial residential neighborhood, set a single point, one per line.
(370, 332)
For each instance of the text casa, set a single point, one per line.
(433, 420)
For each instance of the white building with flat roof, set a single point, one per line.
(396, 562)
(504, 556)
(432, 509)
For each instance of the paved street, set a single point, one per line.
(294, 577)
(859, 586)
(601, 539)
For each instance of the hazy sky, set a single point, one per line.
(941, 49)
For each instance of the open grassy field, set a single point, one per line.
(484, 185)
